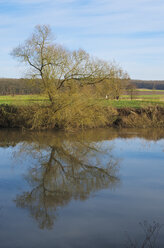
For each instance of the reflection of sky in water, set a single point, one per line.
(105, 217)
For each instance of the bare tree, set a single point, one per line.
(56, 65)
(69, 78)
(131, 90)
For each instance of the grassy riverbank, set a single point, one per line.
(43, 117)
(36, 112)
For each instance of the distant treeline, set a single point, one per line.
(149, 84)
(9, 86)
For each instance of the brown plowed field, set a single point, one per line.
(149, 92)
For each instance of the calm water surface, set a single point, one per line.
(99, 188)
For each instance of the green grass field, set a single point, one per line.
(141, 100)
(145, 96)
(150, 90)
(23, 99)
(131, 103)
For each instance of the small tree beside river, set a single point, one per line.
(71, 80)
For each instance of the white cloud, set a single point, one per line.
(132, 32)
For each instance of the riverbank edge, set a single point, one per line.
(22, 117)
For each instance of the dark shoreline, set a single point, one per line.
(150, 117)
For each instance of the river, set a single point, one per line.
(97, 188)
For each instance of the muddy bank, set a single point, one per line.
(141, 118)
(25, 116)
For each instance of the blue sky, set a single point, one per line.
(131, 32)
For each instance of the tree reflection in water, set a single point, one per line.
(67, 168)
(150, 238)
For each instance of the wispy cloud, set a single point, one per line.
(131, 32)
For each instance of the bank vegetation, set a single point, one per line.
(25, 117)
